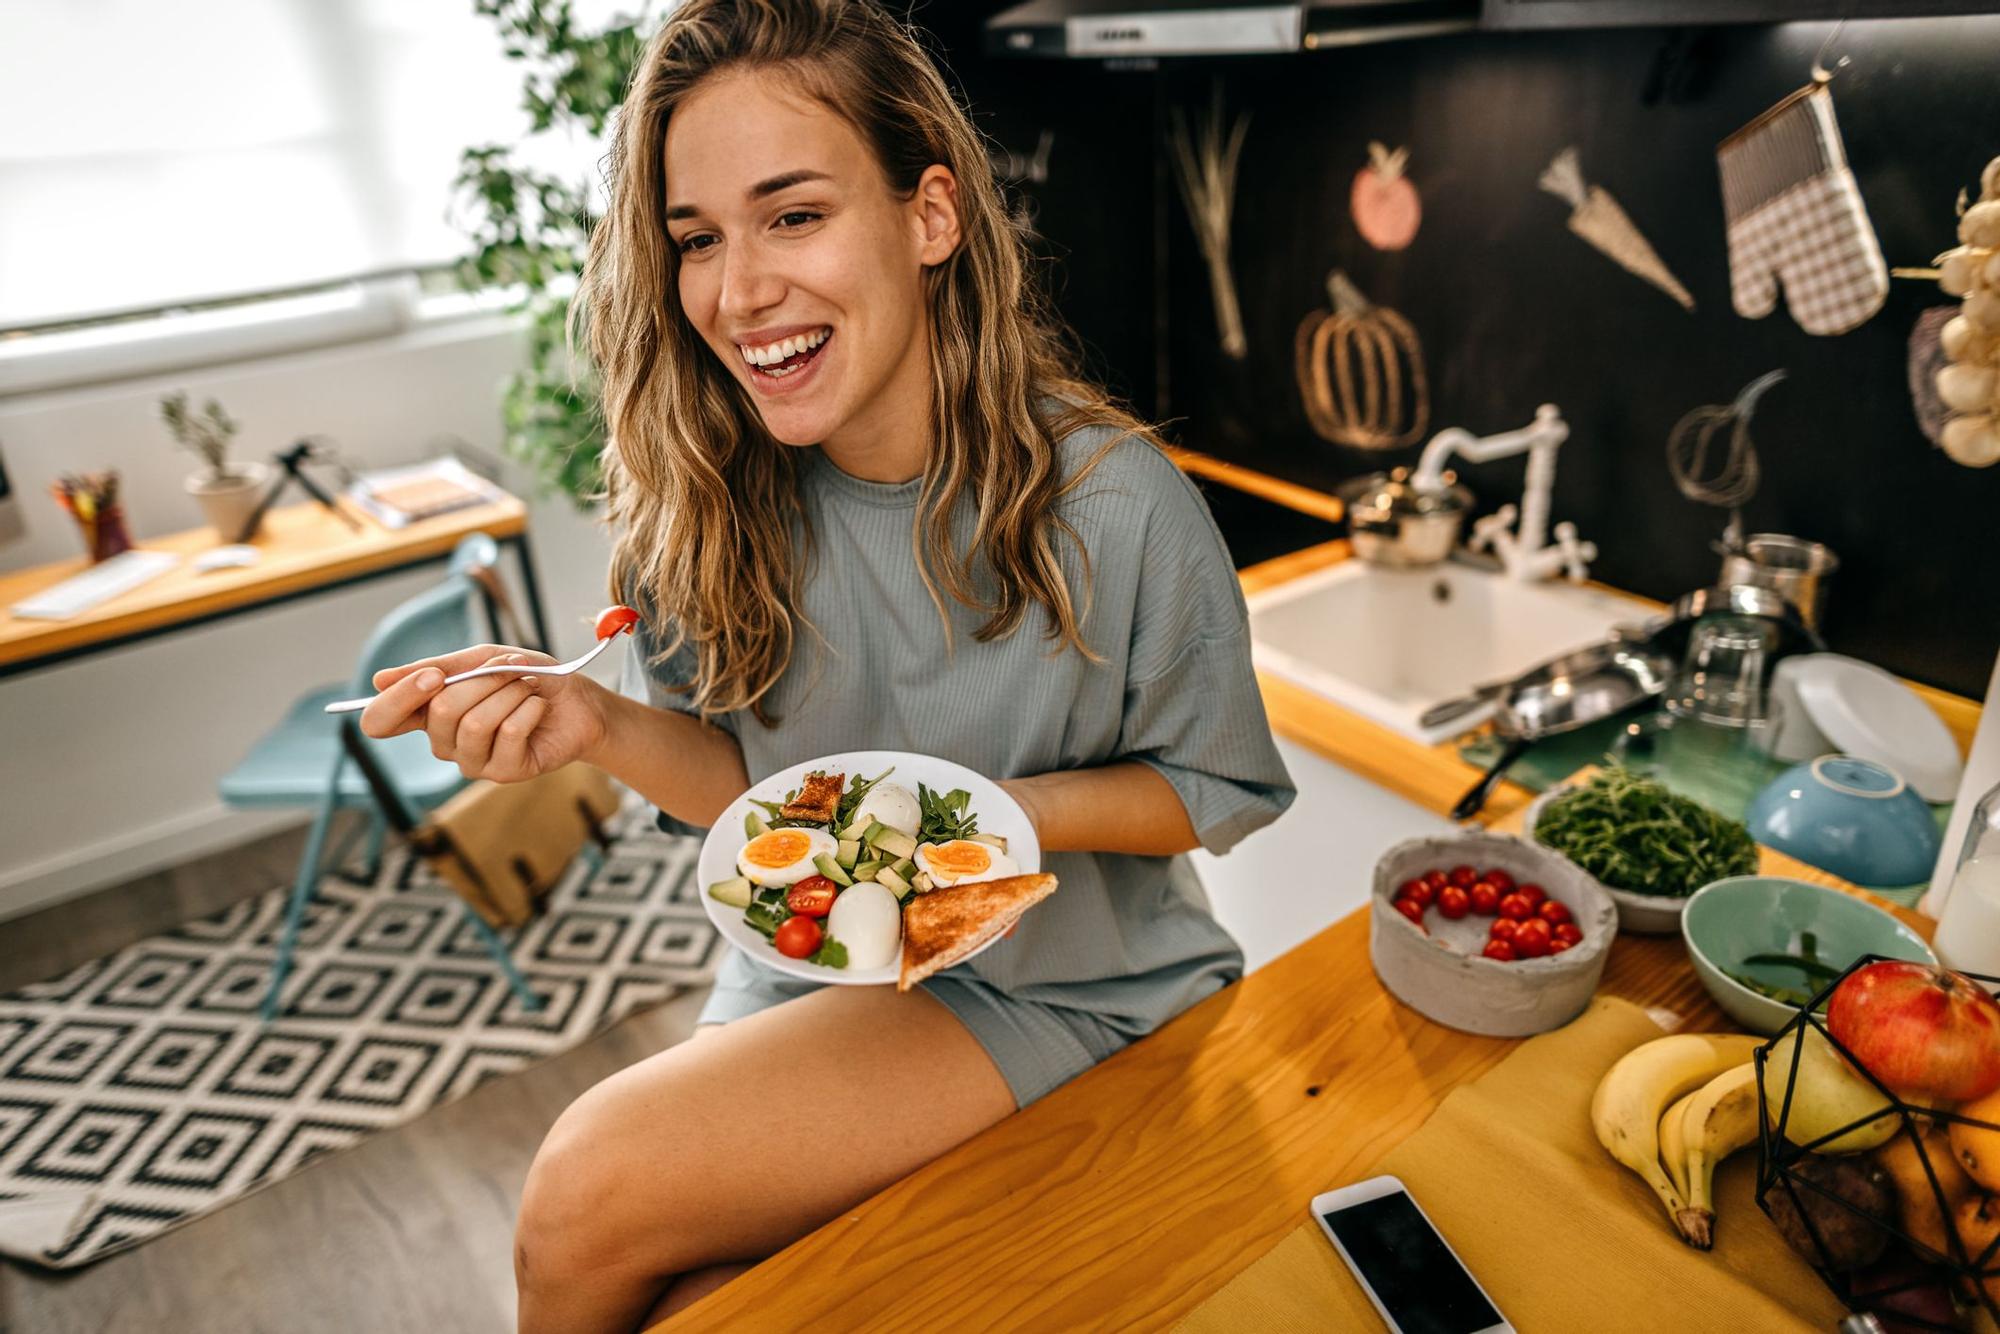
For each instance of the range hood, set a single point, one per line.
(1101, 29)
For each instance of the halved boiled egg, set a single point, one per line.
(963, 861)
(783, 856)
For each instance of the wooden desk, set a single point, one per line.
(306, 551)
(1127, 1196)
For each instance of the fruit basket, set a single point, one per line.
(1878, 1153)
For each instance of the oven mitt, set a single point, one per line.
(1796, 218)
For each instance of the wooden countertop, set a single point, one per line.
(1124, 1198)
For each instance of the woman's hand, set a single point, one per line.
(508, 729)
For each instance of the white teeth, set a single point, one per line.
(784, 347)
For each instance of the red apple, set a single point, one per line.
(1384, 203)
(1922, 1030)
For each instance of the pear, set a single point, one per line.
(1830, 1094)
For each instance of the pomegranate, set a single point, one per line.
(1384, 203)
(1924, 1031)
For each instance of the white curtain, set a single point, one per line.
(154, 152)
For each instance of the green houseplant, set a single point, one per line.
(532, 228)
(227, 492)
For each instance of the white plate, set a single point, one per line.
(996, 811)
(1865, 711)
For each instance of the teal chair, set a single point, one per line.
(305, 761)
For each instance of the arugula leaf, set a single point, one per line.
(944, 816)
(831, 954)
(766, 918)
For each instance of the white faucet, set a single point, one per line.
(1524, 551)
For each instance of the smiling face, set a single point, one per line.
(799, 266)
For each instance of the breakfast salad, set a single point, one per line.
(826, 874)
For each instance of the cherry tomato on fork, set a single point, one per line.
(614, 619)
(811, 897)
(797, 937)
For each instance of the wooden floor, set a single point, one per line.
(409, 1231)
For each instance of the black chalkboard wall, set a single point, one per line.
(1514, 310)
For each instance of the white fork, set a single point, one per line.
(498, 669)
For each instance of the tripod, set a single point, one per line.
(293, 462)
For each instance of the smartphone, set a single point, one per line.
(1418, 1284)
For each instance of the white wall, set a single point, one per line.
(108, 764)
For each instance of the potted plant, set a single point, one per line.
(227, 492)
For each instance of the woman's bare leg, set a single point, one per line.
(727, 1149)
(688, 1289)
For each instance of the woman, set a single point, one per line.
(862, 502)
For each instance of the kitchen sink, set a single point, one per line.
(1390, 643)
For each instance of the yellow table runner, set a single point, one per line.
(1560, 1236)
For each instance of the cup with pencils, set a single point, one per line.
(92, 498)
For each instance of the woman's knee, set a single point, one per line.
(594, 1205)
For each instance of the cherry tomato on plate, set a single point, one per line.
(1553, 913)
(1499, 879)
(797, 937)
(1411, 909)
(615, 619)
(1421, 894)
(1503, 928)
(1531, 940)
(1485, 898)
(1463, 876)
(1569, 933)
(1501, 950)
(1534, 894)
(811, 897)
(1453, 903)
(1516, 907)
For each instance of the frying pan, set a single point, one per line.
(1570, 692)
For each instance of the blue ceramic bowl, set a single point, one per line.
(1745, 915)
(1854, 818)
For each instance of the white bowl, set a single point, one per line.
(1439, 971)
(1641, 914)
(1859, 709)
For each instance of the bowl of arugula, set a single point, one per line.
(1650, 847)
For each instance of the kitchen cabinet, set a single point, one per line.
(1648, 13)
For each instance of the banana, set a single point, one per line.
(1637, 1090)
(1721, 1119)
(1673, 1143)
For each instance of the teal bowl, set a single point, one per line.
(1730, 920)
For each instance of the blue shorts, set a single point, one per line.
(1037, 1047)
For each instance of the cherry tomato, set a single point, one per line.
(1485, 898)
(811, 897)
(1531, 941)
(1411, 909)
(1499, 879)
(1534, 894)
(797, 937)
(1558, 946)
(1553, 913)
(1503, 928)
(1516, 907)
(1569, 933)
(1463, 876)
(1422, 894)
(1501, 950)
(1453, 903)
(612, 620)
(1408, 887)
(1436, 879)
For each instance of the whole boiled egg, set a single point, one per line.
(891, 803)
(867, 919)
(963, 861)
(783, 856)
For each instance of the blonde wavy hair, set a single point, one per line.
(702, 500)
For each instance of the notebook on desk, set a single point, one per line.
(397, 497)
(100, 583)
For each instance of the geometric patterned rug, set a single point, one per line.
(139, 1090)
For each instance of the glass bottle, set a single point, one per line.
(1968, 935)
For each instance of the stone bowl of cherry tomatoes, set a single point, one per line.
(1488, 934)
